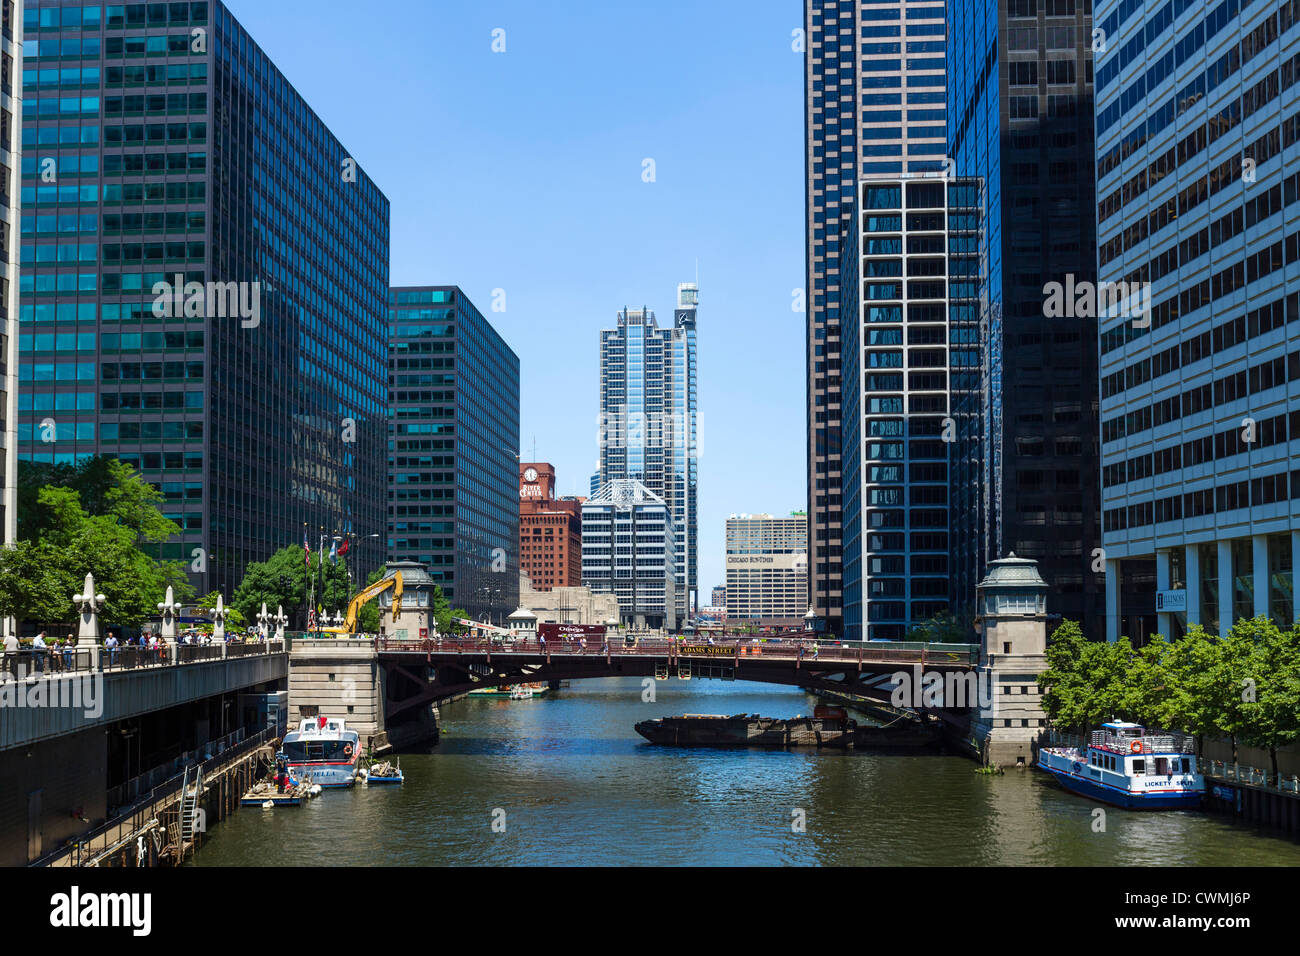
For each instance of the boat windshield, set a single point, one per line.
(300, 750)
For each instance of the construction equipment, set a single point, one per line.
(364, 596)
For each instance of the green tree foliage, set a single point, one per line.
(234, 617)
(1245, 685)
(283, 580)
(40, 574)
(943, 628)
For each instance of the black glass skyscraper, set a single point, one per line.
(161, 148)
(453, 493)
(1025, 466)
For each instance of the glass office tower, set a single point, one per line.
(874, 104)
(162, 148)
(647, 421)
(1198, 180)
(453, 480)
(1025, 465)
(910, 321)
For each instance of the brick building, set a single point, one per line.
(550, 530)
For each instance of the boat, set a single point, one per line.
(385, 772)
(1125, 766)
(829, 727)
(323, 751)
(511, 691)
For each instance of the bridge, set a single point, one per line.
(423, 672)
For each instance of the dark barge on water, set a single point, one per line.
(828, 727)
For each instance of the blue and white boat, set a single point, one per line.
(323, 751)
(1125, 766)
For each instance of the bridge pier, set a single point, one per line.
(339, 677)
(1012, 623)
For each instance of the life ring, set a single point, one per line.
(1135, 747)
(347, 750)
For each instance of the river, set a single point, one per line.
(565, 780)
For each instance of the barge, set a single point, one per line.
(828, 727)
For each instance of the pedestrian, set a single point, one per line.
(111, 645)
(67, 652)
(38, 652)
(11, 655)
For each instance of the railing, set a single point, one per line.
(125, 794)
(118, 828)
(27, 663)
(1250, 776)
(917, 653)
(1147, 743)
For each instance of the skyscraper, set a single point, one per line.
(767, 570)
(1025, 463)
(1198, 177)
(873, 105)
(627, 550)
(647, 420)
(453, 481)
(910, 333)
(204, 282)
(11, 115)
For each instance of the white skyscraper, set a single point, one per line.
(647, 420)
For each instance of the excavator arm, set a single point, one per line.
(364, 596)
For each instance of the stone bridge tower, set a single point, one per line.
(1011, 619)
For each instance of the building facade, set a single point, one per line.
(647, 420)
(874, 103)
(11, 131)
(628, 548)
(767, 570)
(550, 530)
(453, 498)
(1024, 466)
(910, 327)
(198, 252)
(1198, 180)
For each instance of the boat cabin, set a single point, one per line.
(321, 727)
(1127, 749)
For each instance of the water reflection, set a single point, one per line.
(577, 786)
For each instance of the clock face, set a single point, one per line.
(530, 474)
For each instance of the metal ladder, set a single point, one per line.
(190, 807)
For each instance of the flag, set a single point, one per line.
(306, 560)
(334, 552)
(343, 548)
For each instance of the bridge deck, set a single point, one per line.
(962, 656)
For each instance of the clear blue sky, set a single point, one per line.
(522, 171)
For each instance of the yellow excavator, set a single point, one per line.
(366, 595)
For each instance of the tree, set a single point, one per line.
(33, 587)
(283, 580)
(39, 577)
(208, 603)
(1273, 716)
(943, 628)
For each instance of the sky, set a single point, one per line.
(524, 171)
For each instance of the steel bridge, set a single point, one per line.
(423, 672)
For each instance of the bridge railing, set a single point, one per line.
(915, 653)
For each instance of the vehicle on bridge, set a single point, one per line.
(1125, 766)
(324, 751)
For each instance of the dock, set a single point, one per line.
(263, 792)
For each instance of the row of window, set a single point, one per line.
(1252, 493)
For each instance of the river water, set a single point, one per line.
(565, 780)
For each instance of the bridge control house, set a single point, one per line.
(1012, 625)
